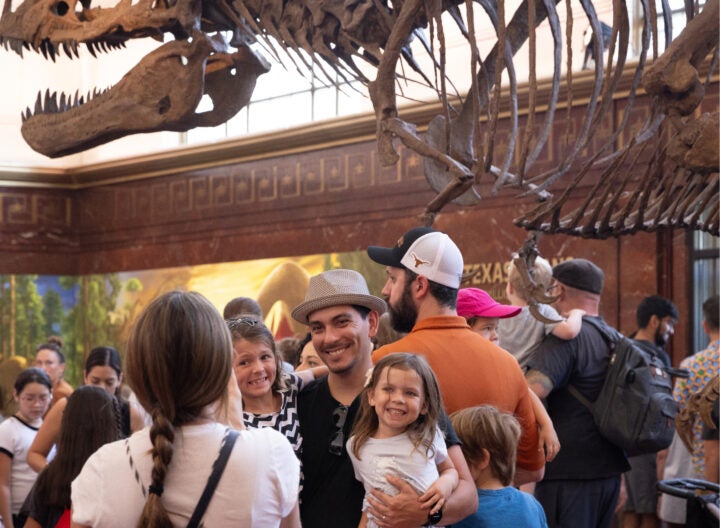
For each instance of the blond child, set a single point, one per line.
(397, 432)
(489, 442)
(521, 335)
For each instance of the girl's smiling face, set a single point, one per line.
(255, 368)
(398, 399)
(33, 402)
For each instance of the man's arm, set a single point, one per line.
(404, 509)
(539, 383)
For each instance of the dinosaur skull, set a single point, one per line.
(48, 25)
(160, 93)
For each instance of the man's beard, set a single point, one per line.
(404, 315)
(660, 339)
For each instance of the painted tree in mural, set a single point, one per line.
(21, 318)
(29, 320)
(88, 323)
(52, 312)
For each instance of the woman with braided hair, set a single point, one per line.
(186, 467)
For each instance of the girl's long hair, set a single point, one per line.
(88, 422)
(422, 430)
(179, 361)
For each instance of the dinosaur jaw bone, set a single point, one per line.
(47, 26)
(161, 92)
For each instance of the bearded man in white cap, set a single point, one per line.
(343, 318)
(424, 271)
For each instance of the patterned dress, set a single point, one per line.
(286, 419)
(703, 366)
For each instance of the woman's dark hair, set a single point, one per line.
(88, 422)
(104, 356)
(32, 375)
(55, 339)
(54, 347)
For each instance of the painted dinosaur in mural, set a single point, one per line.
(664, 174)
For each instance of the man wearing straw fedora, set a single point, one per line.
(424, 270)
(343, 319)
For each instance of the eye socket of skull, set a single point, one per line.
(61, 8)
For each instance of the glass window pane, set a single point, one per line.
(238, 125)
(324, 104)
(280, 80)
(706, 282)
(705, 241)
(354, 99)
(280, 113)
(200, 135)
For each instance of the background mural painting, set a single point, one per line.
(92, 310)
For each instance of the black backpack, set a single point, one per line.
(635, 409)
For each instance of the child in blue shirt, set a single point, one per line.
(489, 442)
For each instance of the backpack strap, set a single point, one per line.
(610, 336)
(582, 399)
(214, 478)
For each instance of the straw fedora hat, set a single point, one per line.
(333, 288)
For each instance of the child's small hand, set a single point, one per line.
(438, 493)
(549, 442)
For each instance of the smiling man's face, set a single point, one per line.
(342, 337)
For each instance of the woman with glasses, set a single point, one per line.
(102, 369)
(269, 394)
(186, 466)
(33, 393)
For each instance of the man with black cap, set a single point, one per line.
(582, 484)
(343, 318)
(424, 271)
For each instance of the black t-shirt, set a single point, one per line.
(652, 348)
(331, 496)
(581, 362)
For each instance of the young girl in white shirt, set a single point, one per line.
(33, 393)
(397, 432)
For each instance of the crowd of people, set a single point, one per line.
(429, 405)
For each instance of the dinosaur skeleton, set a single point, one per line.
(677, 187)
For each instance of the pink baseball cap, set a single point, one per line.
(474, 302)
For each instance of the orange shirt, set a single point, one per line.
(473, 371)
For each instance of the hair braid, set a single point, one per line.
(117, 409)
(162, 435)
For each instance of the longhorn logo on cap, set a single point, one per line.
(419, 261)
(400, 241)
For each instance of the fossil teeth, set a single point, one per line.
(38, 104)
